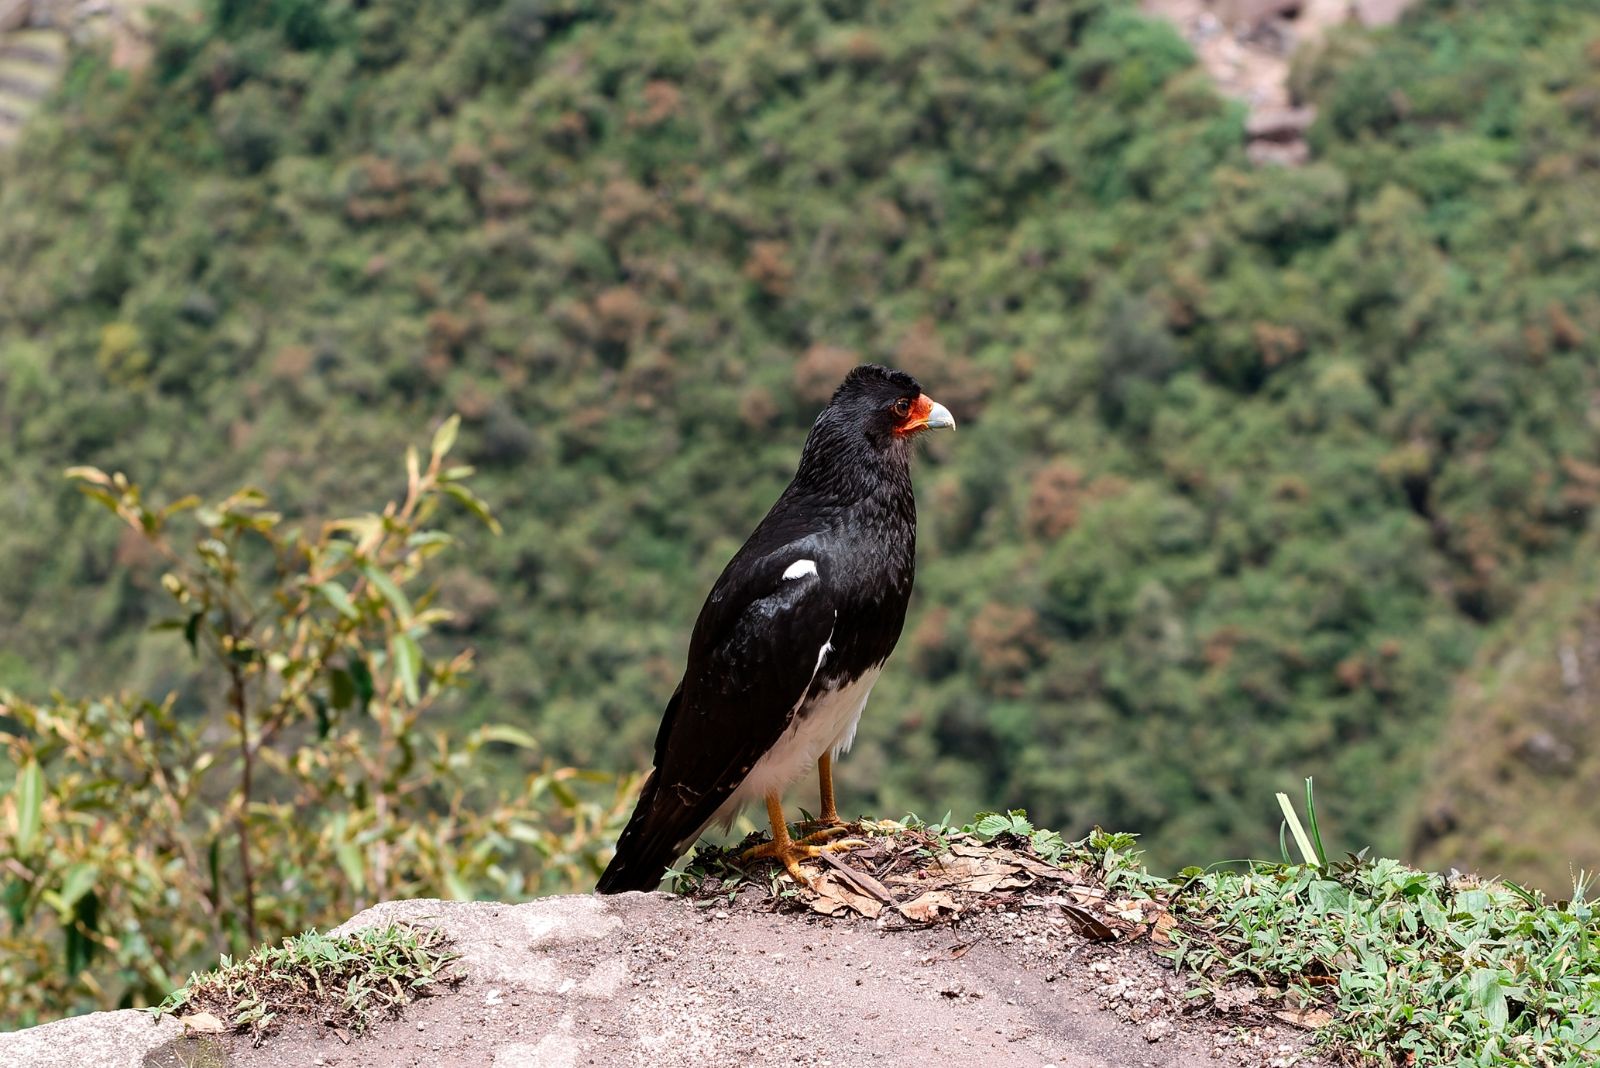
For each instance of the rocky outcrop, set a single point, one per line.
(31, 62)
(650, 979)
(100, 1038)
(34, 36)
(1246, 46)
(1511, 784)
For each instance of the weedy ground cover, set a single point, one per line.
(346, 981)
(1393, 966)
(1417, 968)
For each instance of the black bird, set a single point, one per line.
(792, 637)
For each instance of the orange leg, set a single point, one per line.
(830, 811)
(828, 825)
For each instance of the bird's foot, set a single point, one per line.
(825, 831)
(843, 843)
(790, 853)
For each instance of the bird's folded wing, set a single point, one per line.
(761, 639)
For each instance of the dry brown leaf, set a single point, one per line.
(931, 907)
(979, 875)
(924, 877)
(203, 1023)
(833, 897)
(828, 906)
(997, 882)
(859, 881)
(1033, 866)
(1310, 1019)
(1089, 925)
(1125, 909)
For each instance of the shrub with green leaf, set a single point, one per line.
(312, 766)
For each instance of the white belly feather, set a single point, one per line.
(825, 724)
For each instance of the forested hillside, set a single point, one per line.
(1511, 787)
(1248, 460)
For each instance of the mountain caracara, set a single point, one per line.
(792, 637)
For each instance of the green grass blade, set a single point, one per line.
(1311, 819)
(1298, 831)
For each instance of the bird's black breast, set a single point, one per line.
(871, 567)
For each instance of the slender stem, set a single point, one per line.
(380, 848)
(242, 812)
(180, 840)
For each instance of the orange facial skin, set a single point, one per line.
(917, 418)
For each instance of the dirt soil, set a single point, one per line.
(983, 955)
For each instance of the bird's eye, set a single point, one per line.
(902, 408)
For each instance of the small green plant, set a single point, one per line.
(348, 981)
(1413, 967)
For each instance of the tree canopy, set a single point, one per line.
(1248, 460)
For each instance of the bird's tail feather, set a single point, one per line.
(649, 844)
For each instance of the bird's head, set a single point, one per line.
(885, 405)
(867, 427)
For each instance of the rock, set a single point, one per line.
(14, 14)
(1280, 125)
(567, 982)
(1246, 46)
(120, 1039)
(1545, 753)
(1380, 12)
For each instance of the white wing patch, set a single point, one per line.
(822, 654)
(800, 569)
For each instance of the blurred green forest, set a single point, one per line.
(1249, 463)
